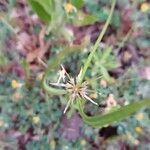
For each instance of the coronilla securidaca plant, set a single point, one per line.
(78, 89)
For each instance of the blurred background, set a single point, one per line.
(32, 32)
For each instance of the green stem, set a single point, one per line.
(121, 44)
(87, 63)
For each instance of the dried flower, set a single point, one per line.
(40, 76)
(62, 75)
(132, 139)
(144, 7)
(140, 116)
(36, 119)
(71, 86)
(69, 8)
(15, 84)
(103, 83)
(1, 123)
(52, 144)
(94, 95)
(139, 130)
(111, 102)
(136, 142)
(82, 142)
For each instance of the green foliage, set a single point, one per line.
(86, 19)
(104, 61)
(42, 9)
(20, 105)
(117, 115)
(102, 13)
(78, 3)
(52, 13)
(96, 121)
(89, 59)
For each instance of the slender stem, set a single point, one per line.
(121, 44)
(87, 63)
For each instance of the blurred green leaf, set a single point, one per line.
(84, 19)
(3, 59)
(25, 66)
(43, 9)
(101, 13)
(104, 61)
(116, 20)
(106, 54)
(120, 114)
(78, 3)
(105, 73)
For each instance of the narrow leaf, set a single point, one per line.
(118, 115)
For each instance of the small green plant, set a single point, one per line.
(34, 114)
(77, 89)
(52, 13)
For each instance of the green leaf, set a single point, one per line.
(106, 54)
(41, 8)
(84, 19)
(48, 5)
(105, 73)
(78, 3)
(99, 121)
